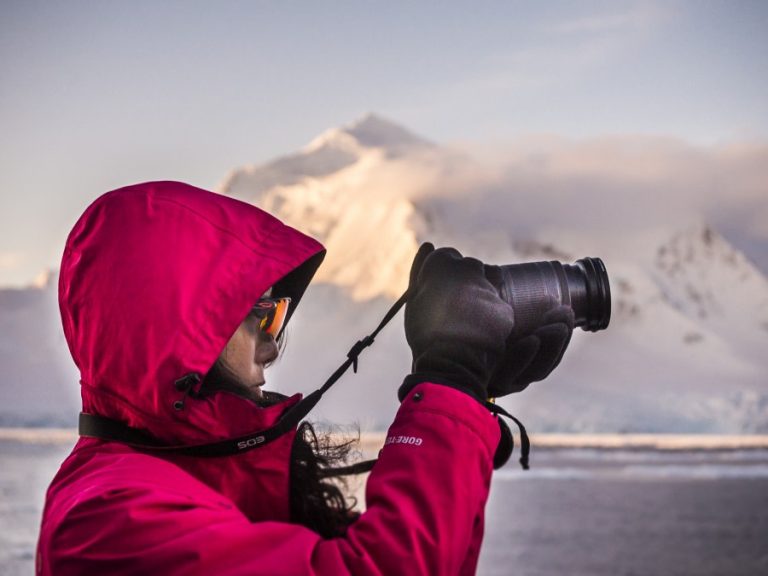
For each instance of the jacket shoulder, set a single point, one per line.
(114, 473)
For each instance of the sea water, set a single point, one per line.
(585, 512)
(578, 511)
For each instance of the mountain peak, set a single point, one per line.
(375, 131)
(330, 152)
(370, 131)
(699, 242)
(702, 275)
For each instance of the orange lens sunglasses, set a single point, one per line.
(272, 313)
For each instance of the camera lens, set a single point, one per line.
(534, 288)
(596, 307)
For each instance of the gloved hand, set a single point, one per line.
(533, 357)
(456, 323)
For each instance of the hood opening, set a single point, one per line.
(155, 279)
(295, 283)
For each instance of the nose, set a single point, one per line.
(266, 348)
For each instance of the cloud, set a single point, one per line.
(637, 18)
(628, 192)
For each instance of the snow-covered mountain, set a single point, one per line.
(685, 351)
(327, 189)
(711, 283)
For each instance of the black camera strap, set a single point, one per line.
(525, 442)
(93, 426)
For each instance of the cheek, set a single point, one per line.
(240, 348)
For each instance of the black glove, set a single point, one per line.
(456, 323)
(531, 358)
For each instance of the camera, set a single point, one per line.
(534, 288)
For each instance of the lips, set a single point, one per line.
(256, 392)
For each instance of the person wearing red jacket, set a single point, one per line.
(172, 299)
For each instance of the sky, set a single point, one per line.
(97, 95)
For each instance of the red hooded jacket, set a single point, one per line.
(155, 278)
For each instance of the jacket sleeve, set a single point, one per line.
(425, 503)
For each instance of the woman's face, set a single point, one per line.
(246, 354)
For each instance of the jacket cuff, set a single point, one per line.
(472, 389)
(455, 404)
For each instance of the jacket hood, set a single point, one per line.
(155, 278)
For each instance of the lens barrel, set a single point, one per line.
(534, 288)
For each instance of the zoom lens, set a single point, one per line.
(534, 288)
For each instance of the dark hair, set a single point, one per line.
(317, 502)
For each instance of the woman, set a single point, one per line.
(171, 299)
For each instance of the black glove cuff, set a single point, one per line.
(473, 389)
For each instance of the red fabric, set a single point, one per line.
(154, 280)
